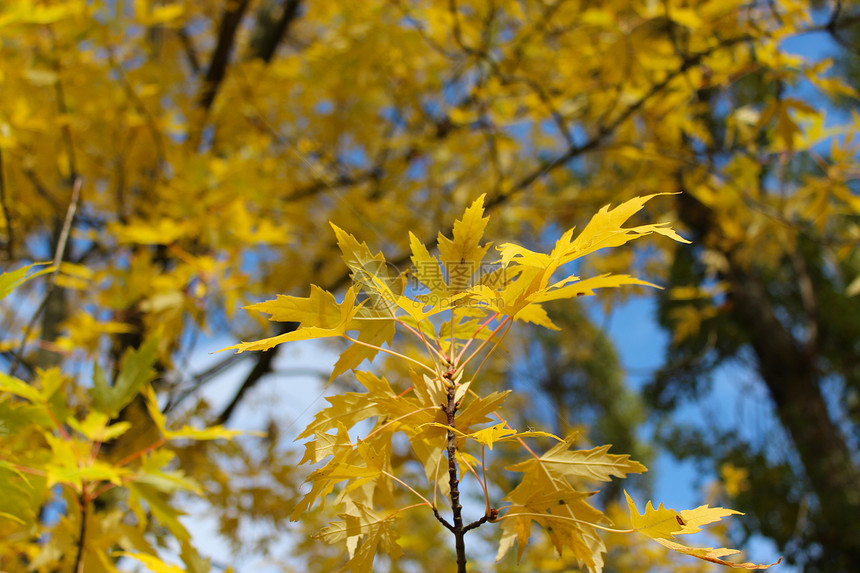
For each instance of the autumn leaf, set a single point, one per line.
(595, 464)
(373, 334)
(495, 433)
(95, 427)
(351, 407)
(375, 532)
(463, 254)
(562, 511)
(346, 311)
(320, 309)
(144, 497)
(426, 268)
(532, 285)
(19, 388)
(546, 495)
(694, 519)
(13, 279)
(186, 432)
(662, 524)
(477, 410)
(151, 562)
(182, 159)
(713, 555)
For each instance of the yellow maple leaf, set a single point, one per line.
(661, 524)
(463, 254)
(374, 531)
(694, 518)
(319, 309)
(596, 464)
(713, 555)
(347, 311)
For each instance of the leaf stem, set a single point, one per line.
(134, 455)
(24, 469)
(451, 360)
(484, 474)
(106, 487)
(395, 512)
(420, 333)
(474, 334)
(562, 517)
(397, 419)
(63, 433)
(436, 480)
(391, 352)
(407, 486)
(461, 366)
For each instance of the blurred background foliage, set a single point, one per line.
(181, 159)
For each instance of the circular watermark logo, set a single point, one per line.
(379, 284)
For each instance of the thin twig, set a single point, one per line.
(62, 108)
(190, 50)
(477, 523)
(442, 520)
(133, 456)
(41, 189)
(10, 237)
(450, 410)
(604, 131)
(59, 254)
(62, 241)
(82, 533)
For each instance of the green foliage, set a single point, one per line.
(53, 437)
(135, 371)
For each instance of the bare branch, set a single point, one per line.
(63, 239)
(273, 22)
(217, 69)
(10, 236)
(190, 50)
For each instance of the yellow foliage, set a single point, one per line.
(193, 153)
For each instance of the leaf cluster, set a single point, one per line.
(459, 299)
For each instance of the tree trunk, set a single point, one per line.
(788, 371)
(787, 368)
